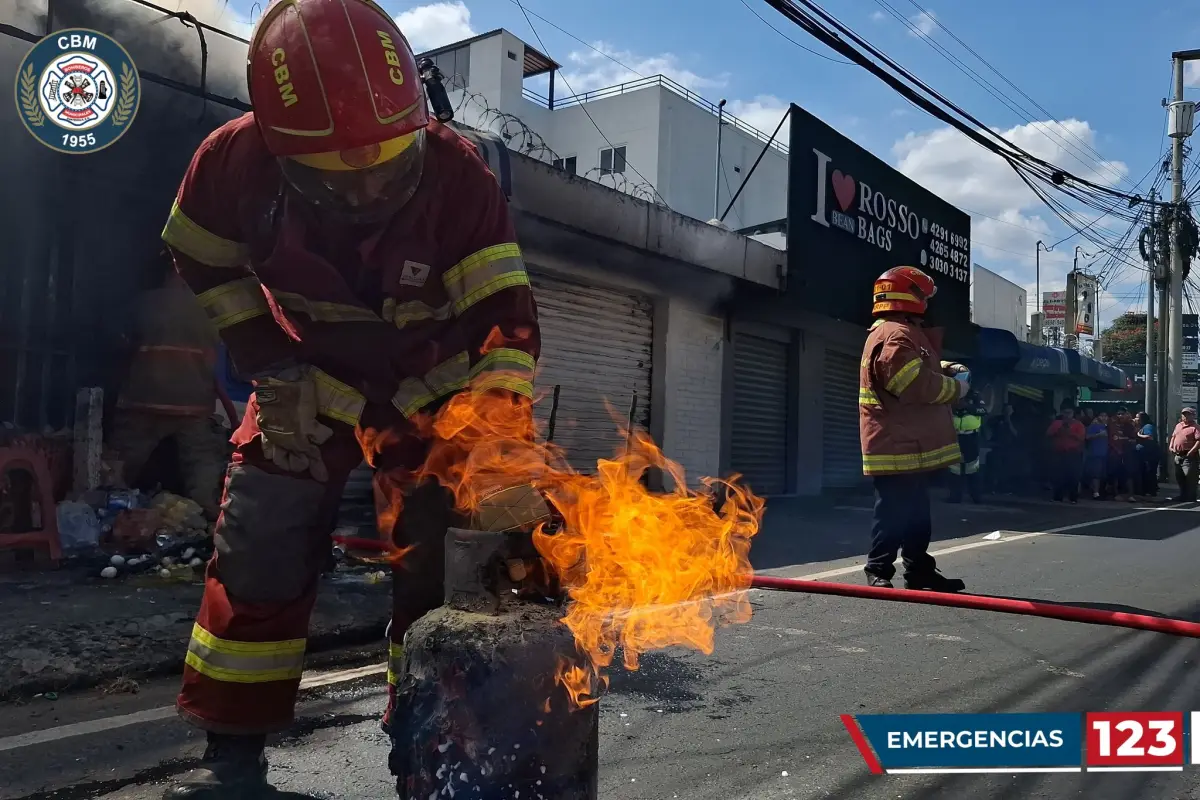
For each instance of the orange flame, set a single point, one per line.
(643, 570)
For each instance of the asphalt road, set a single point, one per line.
(758, 719)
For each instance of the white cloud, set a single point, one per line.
(1008, 219)
(925, 23)
(878, 16)
(436, 24)
(587, 69)
(763, 112)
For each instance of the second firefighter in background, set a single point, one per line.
(906, 427)
(360, 264)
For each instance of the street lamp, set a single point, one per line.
(1038, 261)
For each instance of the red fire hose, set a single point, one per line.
(1029, 608)
(1003, 605)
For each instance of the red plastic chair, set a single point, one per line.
(33, 461)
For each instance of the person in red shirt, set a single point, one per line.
(1066, 435)
(1120, 453)
(1185, 447)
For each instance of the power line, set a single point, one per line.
(840, 38)
(1087, 145)
(790, 39)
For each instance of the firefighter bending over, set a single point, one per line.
(360, 264)
(906, 428)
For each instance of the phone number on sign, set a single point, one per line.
(942, 250)
(947, 268)
(955, 240)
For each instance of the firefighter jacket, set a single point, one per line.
(404, 312)
(905, 423)
(172, 371)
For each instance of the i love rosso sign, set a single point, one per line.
(851, 216)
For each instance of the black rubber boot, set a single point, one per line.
(934, 582)
(234, 768)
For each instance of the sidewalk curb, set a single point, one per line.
(62, 649)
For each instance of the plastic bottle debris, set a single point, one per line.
(124, 499)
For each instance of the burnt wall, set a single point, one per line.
(80, 231)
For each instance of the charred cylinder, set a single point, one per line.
(479, 713)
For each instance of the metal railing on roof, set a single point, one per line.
(644, 83)
(534, 97)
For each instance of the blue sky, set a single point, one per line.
(1101, 67)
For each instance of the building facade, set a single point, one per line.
(997, 302)
(650, 137)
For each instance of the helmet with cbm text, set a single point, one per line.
(339, 101)
(902, 290)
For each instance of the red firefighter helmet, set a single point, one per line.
(339, 101)
(903, 290)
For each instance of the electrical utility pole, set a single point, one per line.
(1180, 121)
(1151, 401)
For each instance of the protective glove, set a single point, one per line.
(287, 419)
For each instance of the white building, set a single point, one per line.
(648, 137)
(997, 302)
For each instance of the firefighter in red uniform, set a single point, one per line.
(359, 261)
(906, 425)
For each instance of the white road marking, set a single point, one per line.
(310, 681)
(835, 573)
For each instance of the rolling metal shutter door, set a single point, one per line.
(841, 453)
(760, 410)
(596, 345)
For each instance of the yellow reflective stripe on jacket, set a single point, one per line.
(911, 462)
(450, 376)
(867, 397)
(324, 310)
(949, 392)
(337, 400)
(401, 314)
(187, 237)
(395, 663)
(234, 302)
(484, 273)
(504, 368)
(904, 378)
(244, 662)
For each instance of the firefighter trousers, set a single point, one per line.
(246, 654)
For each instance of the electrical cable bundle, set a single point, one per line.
(1047, 181)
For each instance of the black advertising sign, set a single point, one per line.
(851, 216)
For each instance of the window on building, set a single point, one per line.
(455, 66)
(566, 164)
(612, 160)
